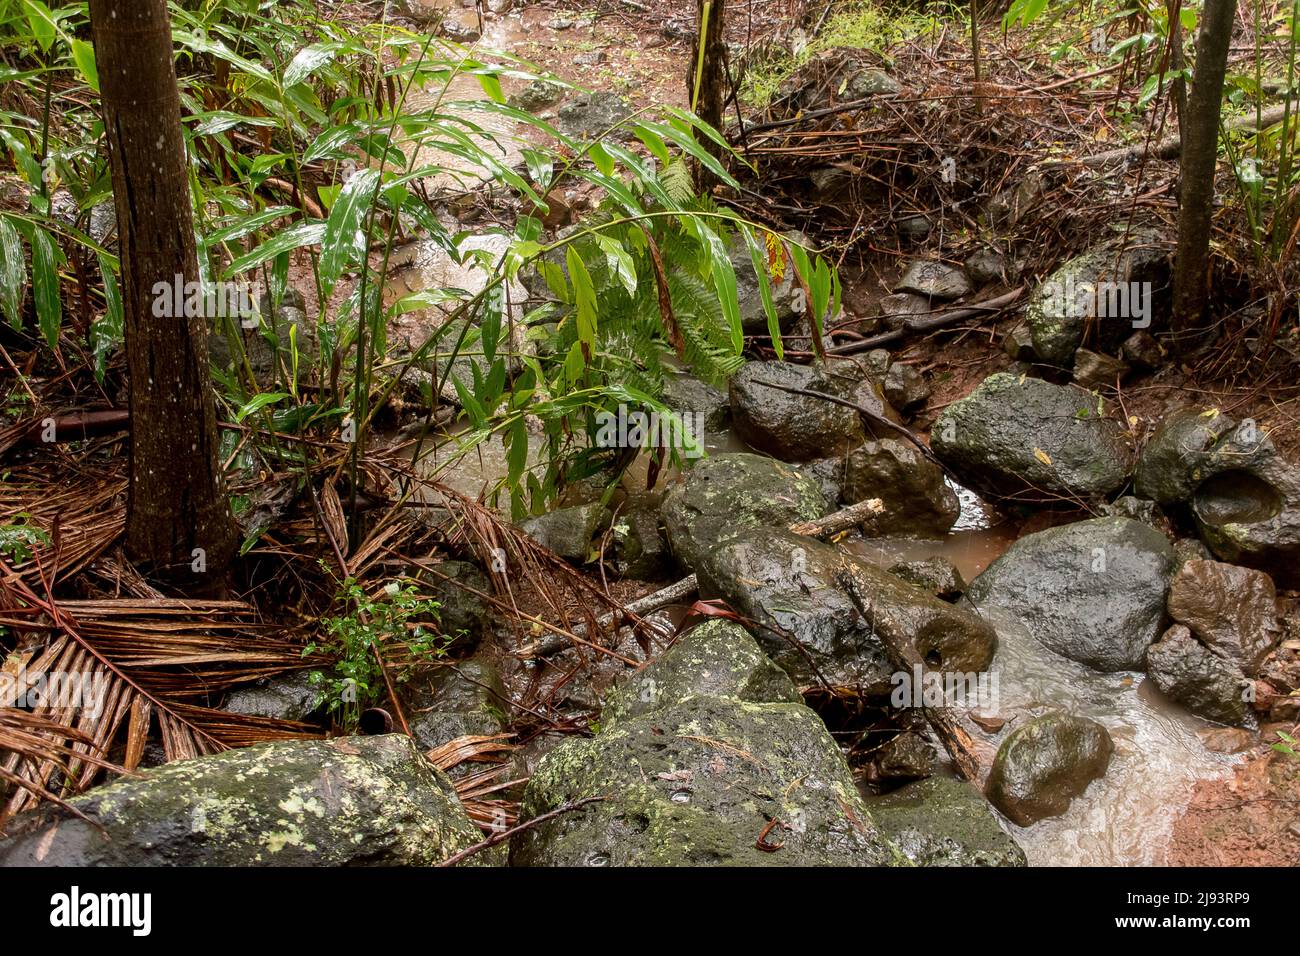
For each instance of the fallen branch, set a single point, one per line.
(928, 324)
(504, 835)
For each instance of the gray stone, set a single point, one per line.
(537, 95)
(592, 115)
(1172, 460)
(640, 544)
(914, 228)
(568, 531)
(694, 771)
(1141, 350)
(725, 495)
(937, 575)
(986, 266)
(351, 801)
(934, 280)
(462, 614)
(787, 295)
(686, 394)
(286, 697)
(917, 500)
(1016, 435)
(1019, 344)
(456, 700)
(817, 608)
(940, 821)
(1043, 765)
(792, 427)
(899, 306)
(1093, 591)
(1092, 370)
(904, 387)
(1186, 671)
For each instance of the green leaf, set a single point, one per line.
(42, 23)
(619, 262)
(295, 237)
(258, 401)
(83, 54)
(492, 87)
(585, 296)
(758, 259)
(306, 62)
(343, 243)
(13, 273)
(517, 452)
(45, 286)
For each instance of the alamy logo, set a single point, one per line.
(76, 909)
(76, 690)
(1070, 298)
(217, 300)
(683, 432)
(920, 688)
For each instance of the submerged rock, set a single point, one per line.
(725, 495)
(352, 801)
(941, 821)
(790, 426)
(1188, 672)
(1013, 435)
(1093, 591)
(794, 586)
(916, 498)
(568, 531)
(705, 756)
(1041, 767)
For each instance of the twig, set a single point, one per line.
(504, 835)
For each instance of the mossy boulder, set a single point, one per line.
(1042, 766)
(694, 773)
(1171, 460)
(368, 801)
(941, 821)
(568, 531)
(724, 495)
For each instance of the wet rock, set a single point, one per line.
(1231, 610)
(1092, 370)
(456, 700)
(1186, 671)
(1013, 435)
(870, 82)
(696, 774)
(1093, 591)
(939, 576)
(940, 821)
(796, 587)
(725, 495)
(463, 615)
(904, 387)
(790, 426)
(640, 545)
(369, 801)
(906, 757)
(286, 697)
(917, 500)
(899, 306)
(829, 475)
(1139, 509)
(1141, 350)
(1019, 344)
(787, 295)
(914, 228)
(568, 531)
(1084, 292)
(592, 115)
(986, 266)
(1173, 458)
(1247, 505)
(269, 341)
(686, 394)
(537, 95)
(1226, 740)
(1013, 204)
(1190, 549)
(1042, 766)
(934, 280)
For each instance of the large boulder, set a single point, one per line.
(1093, 591)
(724, 495)
(1171, 460)
(1208, 685)
(941, 821)
(568, 531)
(917, 500)
(792, 427)
(1076, 297)
(820, 612)
(1042, 766)
(1013, 436)
(1231, 610)
(370, 801)
(707, 764)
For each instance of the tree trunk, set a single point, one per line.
(707, 81)
(1200, 134)
(179, 524)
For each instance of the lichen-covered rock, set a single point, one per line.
(1045, 764)
(724, 495)
(1169, 466)
(797, 586)
(285, 697)
(941, 821)
(696, 774)
(1016, 435)
(345, 802)
(1066, 304)
(792, 427)
(916, 499)
(1231, 610)
(454, 700)
(1188, 672)
(568, 531)
(1093, 591)
(592, 115)
(640, 545)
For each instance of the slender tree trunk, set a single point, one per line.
(1200, 134)
(178, 521)
(707, 81)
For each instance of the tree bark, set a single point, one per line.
(707, 81)
(1200, 136)
(179, 524)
